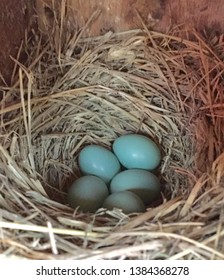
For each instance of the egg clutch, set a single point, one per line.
(120, 179)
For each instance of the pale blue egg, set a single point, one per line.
(142, 182)
(87, 192)
(98, 161)
(137, 151)
(127, 201)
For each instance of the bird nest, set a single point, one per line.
(80, 91)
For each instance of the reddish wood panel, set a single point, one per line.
(116, 15)
(121, 15)
(201, 14)
(14, 18)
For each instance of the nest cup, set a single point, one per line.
(90, 91)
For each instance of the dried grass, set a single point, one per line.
(78, 91)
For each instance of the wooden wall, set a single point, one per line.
(14, 19)
(117, 15)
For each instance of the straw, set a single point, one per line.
(76, 91)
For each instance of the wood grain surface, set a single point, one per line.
(120, 15)
(115, 15)
(14, 19)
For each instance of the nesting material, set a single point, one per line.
(90, 91)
